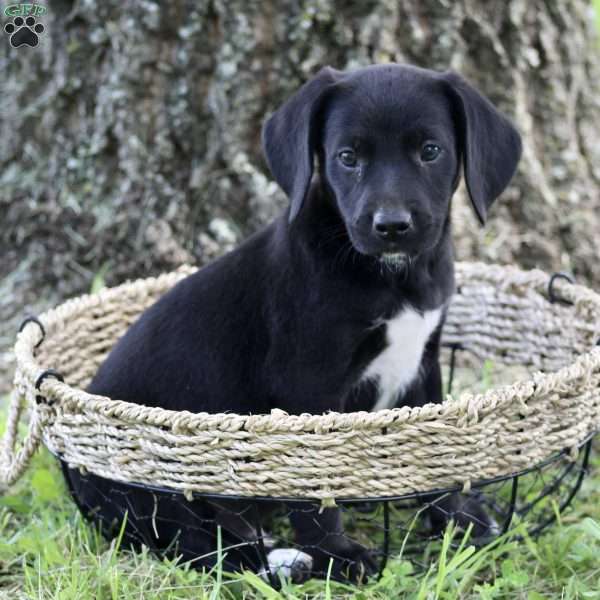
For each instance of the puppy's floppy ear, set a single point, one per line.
(490, 144)
(288, 137)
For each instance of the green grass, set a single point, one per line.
(47, 551)
(596, 6)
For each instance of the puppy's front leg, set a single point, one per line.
(320, 533)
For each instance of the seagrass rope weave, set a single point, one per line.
(500, 313)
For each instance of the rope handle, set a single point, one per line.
(13, 462)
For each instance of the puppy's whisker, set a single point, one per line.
(342, 254)
(348, 251)
(335, 234)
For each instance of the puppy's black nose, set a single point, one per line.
(392, 226)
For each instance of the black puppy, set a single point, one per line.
(338, 304)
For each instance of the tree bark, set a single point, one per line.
(130, 137)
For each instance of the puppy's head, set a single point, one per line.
(391, 141)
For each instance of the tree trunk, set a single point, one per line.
(130, 136)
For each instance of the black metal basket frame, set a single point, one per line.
(583, 456)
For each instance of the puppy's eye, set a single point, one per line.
(347, 158)
(430, 152)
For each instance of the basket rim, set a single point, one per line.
(566, 453)
(468, 405)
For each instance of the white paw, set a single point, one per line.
(289, 563)
(494, 528)
(493, 531)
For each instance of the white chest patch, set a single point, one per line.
(397, 366)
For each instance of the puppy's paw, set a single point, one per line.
(289, 563)
(487, 530)
(350, 561)
(465, 511)
(360, 567)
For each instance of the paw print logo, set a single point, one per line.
(24, 32)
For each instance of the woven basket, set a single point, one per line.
(498, 313)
